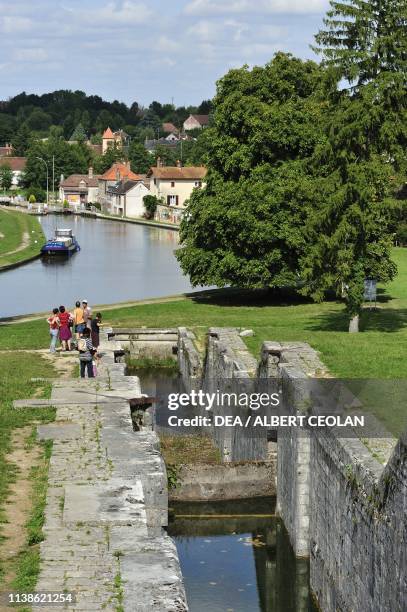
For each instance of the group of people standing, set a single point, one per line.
(76, 330)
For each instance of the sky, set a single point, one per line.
(165, 50)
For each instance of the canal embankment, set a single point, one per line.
(21, 238)
(107, 502)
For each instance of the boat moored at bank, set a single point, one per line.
(63, 243)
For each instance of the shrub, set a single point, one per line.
(150, 204)
(31, 199)
(38, 193)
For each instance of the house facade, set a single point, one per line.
(195, 122)
(126, 198)
(17, 166)
(119, 171)
(80, 189)
(6, 150)
(174, 184)
(110, 138)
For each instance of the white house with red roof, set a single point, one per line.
(174, 184)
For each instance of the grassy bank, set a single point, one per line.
(17, 368)
(21, 237)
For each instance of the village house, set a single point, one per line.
(174, 184)
(7, 150)
(110, 139)
(126, 198)
(119, 171)
(169, 128)
(195, 122)
(80, 189)
(171, 141)
(17, 165)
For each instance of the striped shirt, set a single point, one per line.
(87, 355)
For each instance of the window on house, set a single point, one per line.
(198, 183)
(172, 183)
(172, 200)
(155, 181)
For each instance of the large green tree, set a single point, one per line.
(362, 164)
(68, 159)
(113, 154)
(365, 38)
(21, 140)
(6, 177)
(140, 159)
(245, 228)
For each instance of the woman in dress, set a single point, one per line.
(65, 333)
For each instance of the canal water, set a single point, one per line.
(117, 262)
(236, 557)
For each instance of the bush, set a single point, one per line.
(150, 204)
(95, 205)
(38, 193)
(65, 204)
(31, 199)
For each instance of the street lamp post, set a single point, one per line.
(46, 165)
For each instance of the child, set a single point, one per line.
(53, 322)
(86, 352)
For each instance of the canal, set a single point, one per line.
(117, 262)
(236, 557)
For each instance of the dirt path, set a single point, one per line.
(24, 244)
(18, 506)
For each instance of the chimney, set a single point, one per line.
(90, 172)
(159, 163)
(179, 163)
(117, 174)
(128, 165)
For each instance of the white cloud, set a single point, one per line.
(167, 45)
(217, 7)
(125, 14)
(14, 24)
(30, 55)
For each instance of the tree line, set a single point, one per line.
(63, 112)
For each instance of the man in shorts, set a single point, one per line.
(87, 313)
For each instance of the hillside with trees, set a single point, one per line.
(74, 112)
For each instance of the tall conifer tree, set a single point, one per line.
(365, 157)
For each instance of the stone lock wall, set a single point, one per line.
(358, 528)
(338, 503)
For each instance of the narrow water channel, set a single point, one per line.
(236, 557)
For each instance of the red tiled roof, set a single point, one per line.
(17, 164)
(74, 179)
(169, 128)
(174, 173)
(119, 172)
(107, 133)
(202, 119)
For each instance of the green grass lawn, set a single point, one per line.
(13, 225)
(378, 351)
